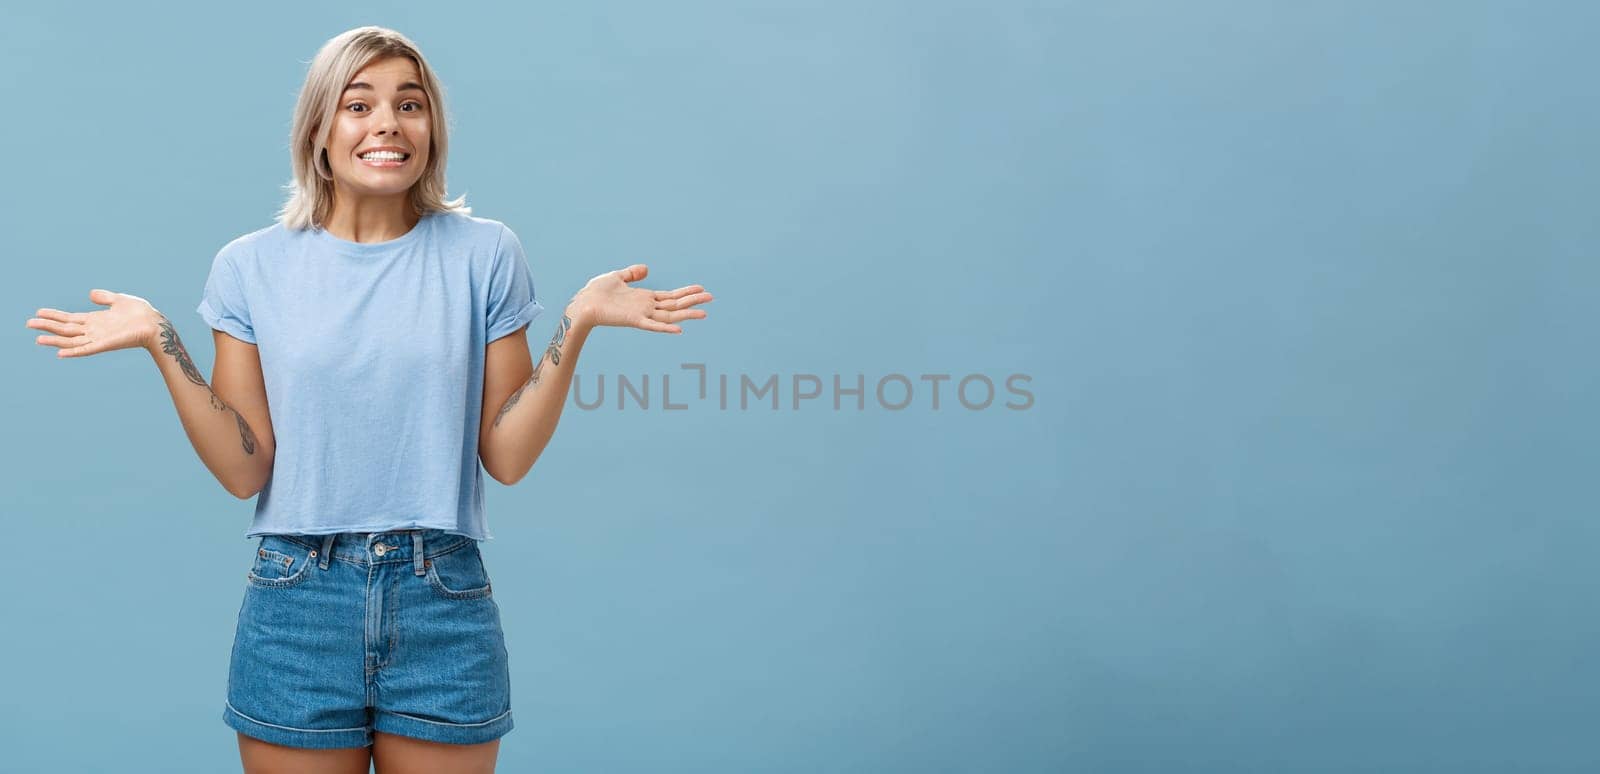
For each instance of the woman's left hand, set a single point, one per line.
(607, 300)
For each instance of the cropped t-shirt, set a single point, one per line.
(373, 356)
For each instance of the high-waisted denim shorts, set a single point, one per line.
(342, 635)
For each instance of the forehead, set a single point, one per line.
(388, 73)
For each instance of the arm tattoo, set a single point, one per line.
(553, 352)
(172, 346)
(245, 436)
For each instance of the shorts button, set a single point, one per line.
(379, 549)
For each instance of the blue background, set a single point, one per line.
(1305, 292)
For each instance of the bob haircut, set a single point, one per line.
(311, 193)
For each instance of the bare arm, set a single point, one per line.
(522, 401)
(511, 438)
(222, 421)
(228, 426)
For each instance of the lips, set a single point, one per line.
(385, 162)
(385, 149)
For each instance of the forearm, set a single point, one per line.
(524, 424)
(219, 434)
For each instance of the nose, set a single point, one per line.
(386, 122)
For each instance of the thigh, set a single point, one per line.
(261, 757)
(395, 754)
(296, 674)
(447, 677)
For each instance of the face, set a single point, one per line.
(383, 106)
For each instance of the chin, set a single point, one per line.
(387, 188)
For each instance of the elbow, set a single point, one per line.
(245, 489)
(243, 492)
(505, 477)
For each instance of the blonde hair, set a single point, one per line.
(311, 192)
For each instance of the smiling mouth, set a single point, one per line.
(385, 160)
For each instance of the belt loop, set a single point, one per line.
(327, 550)
(416, 551)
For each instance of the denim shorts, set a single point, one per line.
(342, 635)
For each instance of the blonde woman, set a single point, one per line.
(371, 351)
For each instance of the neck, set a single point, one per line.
(371, 218)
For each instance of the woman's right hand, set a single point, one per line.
(129, 322)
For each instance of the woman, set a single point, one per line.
(372, 318)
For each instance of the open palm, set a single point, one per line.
(609, 300)
(129, 322)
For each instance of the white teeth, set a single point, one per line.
(383, 156)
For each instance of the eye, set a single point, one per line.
(416, 104)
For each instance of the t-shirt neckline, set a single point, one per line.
(373, 248)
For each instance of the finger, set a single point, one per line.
(667, 295)
(102, 296)
(660, 327)
(89, 347)
(60, 328)
(56, 314)
(672, 317)
(634, 273)
(683, 303)
(60, 341)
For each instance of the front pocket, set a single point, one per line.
(459, 574)
(279, 566)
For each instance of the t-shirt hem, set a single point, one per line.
(323, 530)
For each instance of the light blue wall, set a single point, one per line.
(1305, 292)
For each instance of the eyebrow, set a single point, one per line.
(407, 86)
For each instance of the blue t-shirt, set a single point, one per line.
(373, 359)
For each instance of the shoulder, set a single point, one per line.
(244, 248)
(471, 229)
(490, 246)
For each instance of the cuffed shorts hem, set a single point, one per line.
(438, 731)
(296, 737)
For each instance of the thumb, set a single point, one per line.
(101, 296)
(634, 273)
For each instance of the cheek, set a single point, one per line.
(424, 150)
(419, 130)
(340, 144)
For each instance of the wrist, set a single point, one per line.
(152, 338)
(579, 312)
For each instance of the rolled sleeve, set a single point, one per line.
(223, 304)
(512, 303)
